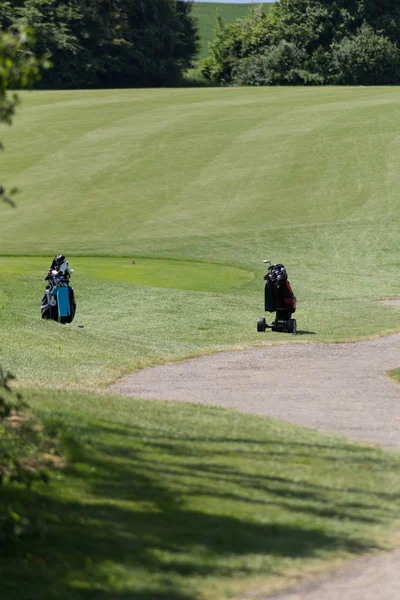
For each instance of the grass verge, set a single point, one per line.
(182, 502)
(395, 374)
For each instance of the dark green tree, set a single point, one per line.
(310, 42)
(233, 42)
(365, 59)
(109, 43)
(19, 68)
(383, 16)
(284, 63)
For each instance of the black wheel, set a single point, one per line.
(291, 326)
(261, 324)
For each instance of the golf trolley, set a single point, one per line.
(278, 298)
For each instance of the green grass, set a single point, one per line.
(395, 374)
(207, 13)
(142, 314)
(188, 502)
(198, 185)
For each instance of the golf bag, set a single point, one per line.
(58, 302)
(278, 293)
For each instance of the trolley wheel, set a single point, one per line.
(261, 324)
(291, 326)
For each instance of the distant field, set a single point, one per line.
(207, 13)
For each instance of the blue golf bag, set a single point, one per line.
(58, 302)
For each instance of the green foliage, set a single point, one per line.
(106, 43)
(20, 439)
(310, 42)
(29, 451)
(20, 442)
(236, 41)
(314, 24)
(8, 400)
(383, 15)
(365, 58)
(206, 15)
(19, 68)
(282, 64)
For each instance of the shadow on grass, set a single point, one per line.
(121, 526)
(304, 332)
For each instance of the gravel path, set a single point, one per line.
(340, 388)
(366, 578)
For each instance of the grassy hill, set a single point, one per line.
(207, 12)
(199, 186)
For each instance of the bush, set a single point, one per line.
(233, 42)
(303, 42)
(367, 58)
(27, 453)
(284, 64)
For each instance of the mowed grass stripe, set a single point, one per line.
(187, 163)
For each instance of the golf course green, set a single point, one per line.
(198, 186)
(166, 202)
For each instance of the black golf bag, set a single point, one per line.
(278, 298)
(278, 294)
(58, 302)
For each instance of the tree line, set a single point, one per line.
(107, 43)
(309, 42)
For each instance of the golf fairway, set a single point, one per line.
(199, 186)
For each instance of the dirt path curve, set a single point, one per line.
(340, 388)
